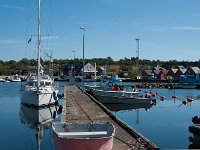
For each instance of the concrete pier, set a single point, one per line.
(81, 107)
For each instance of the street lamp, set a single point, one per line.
(74, 54)
(82, 28)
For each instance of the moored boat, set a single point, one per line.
(39, 90)
(124, 100)
(121, 93)
(82, 136)
(16, 78)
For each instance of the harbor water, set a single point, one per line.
(165, 124)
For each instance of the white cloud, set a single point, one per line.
(10, 41)
(11, 7)
(188, 28)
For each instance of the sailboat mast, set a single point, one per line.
(38, 59)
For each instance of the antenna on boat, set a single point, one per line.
(38, 59)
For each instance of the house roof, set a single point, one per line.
(183, 70)
(174, 70)
(165, 71)
(149, 72)
(89, 68)
(196, 70)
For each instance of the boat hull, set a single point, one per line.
(115, 93)
(77, 136)
(123, 100)
(35, 99)
(83, 144)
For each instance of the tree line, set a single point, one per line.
(22, 66)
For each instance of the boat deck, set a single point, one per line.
(81, 107)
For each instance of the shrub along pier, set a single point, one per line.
(81, 107)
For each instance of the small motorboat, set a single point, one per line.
(83, 136)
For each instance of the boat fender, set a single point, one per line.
(147, 95)
(54, 114)
(60, 109)
(154, 101)
(55, 96)
(60, 95)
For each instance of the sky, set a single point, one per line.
(167, 29)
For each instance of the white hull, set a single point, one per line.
(123, 100)
(15, 80)
(32, 98)
(115, 93)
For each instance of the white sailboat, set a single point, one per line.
(39, 89)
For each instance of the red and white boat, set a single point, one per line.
(82, 136)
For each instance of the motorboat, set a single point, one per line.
(39, 89)
(114, 79)
(2, 80)
(83, 136)
(16, 78)
(124, 100)
(117, 96)
(118, 93)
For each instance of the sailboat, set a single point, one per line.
(39, 89)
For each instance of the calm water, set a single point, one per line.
(165, 124)
(19, 124)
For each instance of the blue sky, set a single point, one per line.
(167, 29)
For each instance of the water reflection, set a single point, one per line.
(195, 142)
(121, 107)
(38, 120)
(195, 131)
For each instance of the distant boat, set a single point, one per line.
(3, 80)
(82, 136)
(16, 78)
(39, 89)
(114, 79)
(63, 78)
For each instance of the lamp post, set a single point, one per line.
(138, 59)
(74, 54)
(82, 28)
